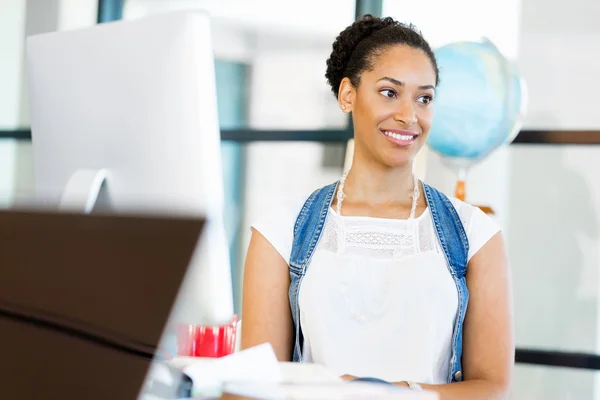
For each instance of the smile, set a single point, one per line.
(401, 138)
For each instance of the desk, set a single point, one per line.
(331, 391)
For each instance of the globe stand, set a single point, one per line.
(460, 192)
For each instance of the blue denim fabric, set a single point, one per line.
(451, 234)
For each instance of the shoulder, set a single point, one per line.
(277, 223)
(479, 226)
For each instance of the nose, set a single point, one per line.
(406, 113)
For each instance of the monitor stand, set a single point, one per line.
(205, 295)
(86, 189)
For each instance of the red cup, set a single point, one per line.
(206, 341)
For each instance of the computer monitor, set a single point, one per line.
(124, 119)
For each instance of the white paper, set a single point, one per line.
(307, 373)
(257, 364)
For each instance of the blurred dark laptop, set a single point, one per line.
(84, 300)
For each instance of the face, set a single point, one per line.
(392, 107)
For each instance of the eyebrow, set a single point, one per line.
(400, 83)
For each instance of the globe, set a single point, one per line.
(480, 102)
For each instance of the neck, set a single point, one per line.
(374, 183)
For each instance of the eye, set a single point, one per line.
(426, 99)
(389, 93)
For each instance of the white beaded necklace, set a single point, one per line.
(341, 195)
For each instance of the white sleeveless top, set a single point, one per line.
(378, 299)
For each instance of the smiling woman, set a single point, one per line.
(371, 276)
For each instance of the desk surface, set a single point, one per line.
(333, 391)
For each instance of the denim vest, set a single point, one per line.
(451, 234)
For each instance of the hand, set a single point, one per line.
(348, 377)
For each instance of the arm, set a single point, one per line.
(265, 305)
(488, 344)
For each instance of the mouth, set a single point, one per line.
(400, 137)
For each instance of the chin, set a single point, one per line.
(397, 163)
(396, 158)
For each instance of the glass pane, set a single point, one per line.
(16, 172)
(231, 80)
(553, 237)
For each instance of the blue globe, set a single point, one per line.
(479, 104)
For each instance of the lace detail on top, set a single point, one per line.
(383, 237)
(379, 239)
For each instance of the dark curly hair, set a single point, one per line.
(356, 48)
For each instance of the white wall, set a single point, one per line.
(74, 14)
(273, 17)
(462, 20)
(558, 57)
(561, 69)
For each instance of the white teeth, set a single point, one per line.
(397, 136)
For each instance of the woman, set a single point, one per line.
(371, 276)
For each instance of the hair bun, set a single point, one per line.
(347, 41)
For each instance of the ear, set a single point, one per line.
(346, 95)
